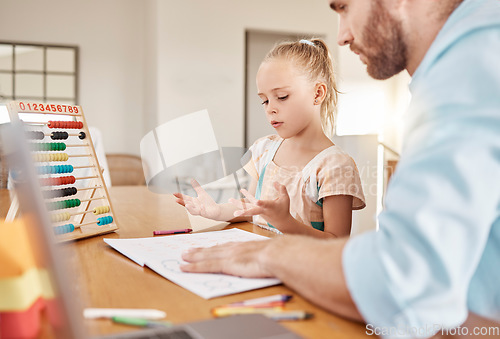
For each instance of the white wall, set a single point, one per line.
(363, 149)
(110, 34)
(201, 53)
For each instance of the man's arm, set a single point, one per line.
(312, 267)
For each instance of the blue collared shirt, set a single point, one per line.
(436, 255)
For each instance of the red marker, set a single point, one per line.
(185, 230)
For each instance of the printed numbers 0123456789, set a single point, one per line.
(48, 108)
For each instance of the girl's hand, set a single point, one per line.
(275, 212)
(202, 205)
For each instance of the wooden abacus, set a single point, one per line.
(90, 211)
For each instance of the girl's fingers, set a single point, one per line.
(199, 190)
(249, 212)
(180, 202)
(240, 204)
(266, 204)
(183, 197)
(250, 197)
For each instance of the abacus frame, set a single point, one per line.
(96, 183)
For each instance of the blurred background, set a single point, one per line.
(136, 64)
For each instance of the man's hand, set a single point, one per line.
(312, 267)
(237, 258)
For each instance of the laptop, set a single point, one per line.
(33, 210)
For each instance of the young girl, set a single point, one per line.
(310, 184)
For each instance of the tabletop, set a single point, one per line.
(102, 277)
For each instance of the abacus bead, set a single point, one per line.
(82, 135)
(59, 135)
(74, 203)
(101, 210)
(60, 217)
(43, 169)
(64, 229)
(58, 146)
(104, 220)
(35, 135)
(50, 194)
(48, 181)
(52, 206)
(60, 157)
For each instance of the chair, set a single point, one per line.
(4, 172)
(125, 169)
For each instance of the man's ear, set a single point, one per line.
(319, 93)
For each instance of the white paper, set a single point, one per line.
(163, 255)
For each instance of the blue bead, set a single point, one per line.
(68, 228)
(105, 220)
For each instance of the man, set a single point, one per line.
(436, 258)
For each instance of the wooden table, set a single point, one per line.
(105, 278)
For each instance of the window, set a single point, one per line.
(38, 72)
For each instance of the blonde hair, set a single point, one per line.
(314, 58)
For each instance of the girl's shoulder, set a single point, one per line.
(263, 144)
(333, 156)
(262, 148)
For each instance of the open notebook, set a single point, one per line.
(163, 255)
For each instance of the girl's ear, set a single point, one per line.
(319, 93)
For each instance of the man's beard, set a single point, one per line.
(384, 48)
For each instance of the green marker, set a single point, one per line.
(140, 322)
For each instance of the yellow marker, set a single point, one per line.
(275, 313)
(227, 311)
